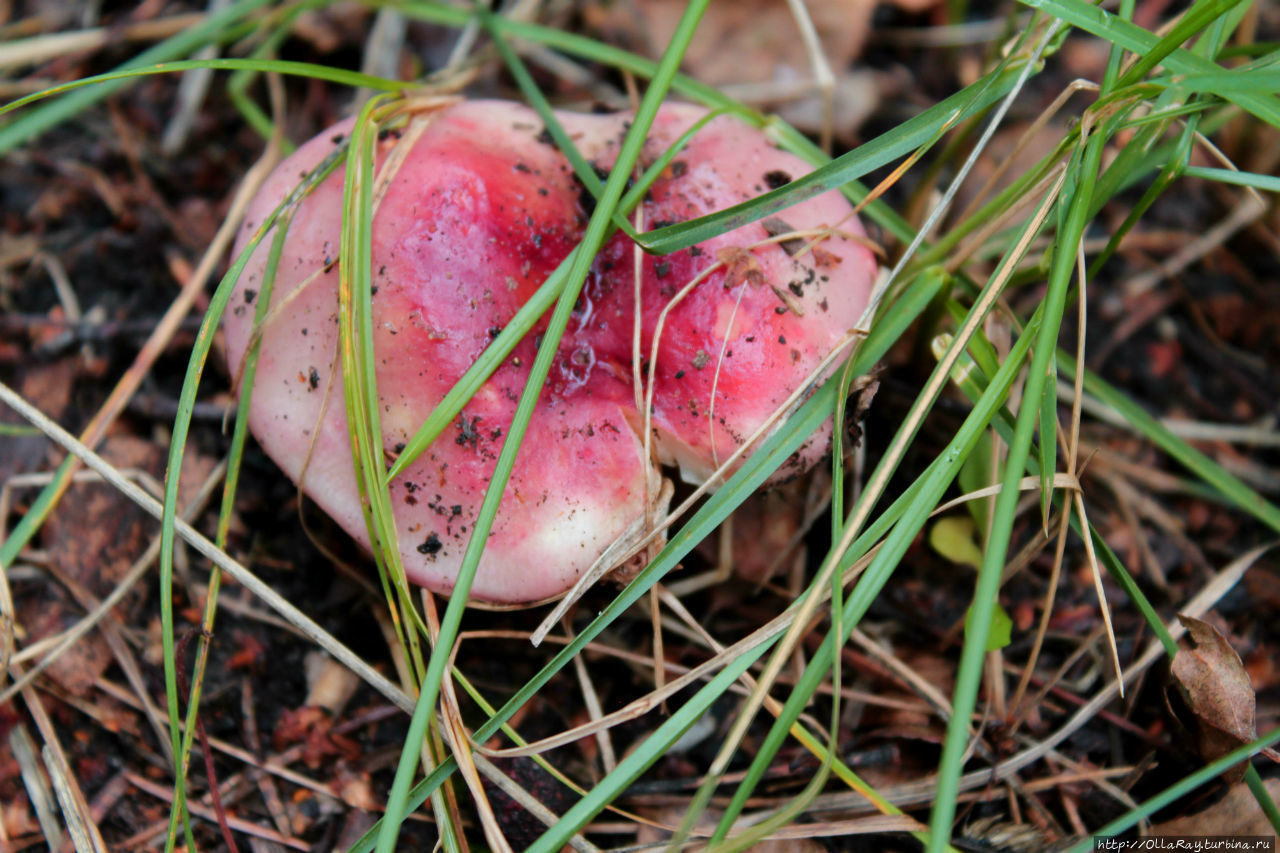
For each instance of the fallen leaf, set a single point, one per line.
(756, 48)
(313, 727)
(953, 537)
(1212, 683)
(1000, 633)
(93, 539)
(48, 387)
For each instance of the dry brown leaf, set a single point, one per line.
(1211, 680)
(758, 43)
(48, 387)
(97, 532)
(93, 539)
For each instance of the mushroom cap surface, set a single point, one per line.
(474, 219)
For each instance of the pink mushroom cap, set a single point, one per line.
(477, 215)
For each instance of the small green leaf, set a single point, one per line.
(954, 538)
(1001, 630)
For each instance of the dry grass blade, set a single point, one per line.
(37, 787)
(43, 48)
(84, 832)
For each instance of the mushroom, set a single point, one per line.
(479, 211)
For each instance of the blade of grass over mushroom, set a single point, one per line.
(355, 342)
(877, 210)
(519, 326)
(757, 468)
(903, 139)
(596, 231)
(210, 30)
(358, 361)
(539, 102)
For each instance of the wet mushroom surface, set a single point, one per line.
(479, 209)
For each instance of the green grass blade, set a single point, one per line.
(903, 139)
(1196, 19)
(1260, 793)
(1228, 485)
(1048, 440)
(1226, 83)
(594, 237)
(524, 80)
(30, 126)
(1097, 21)
(1050, 312)
(1268, 183)
(177, 448)
(1181, 789)
(522, 323)
(277, 66)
